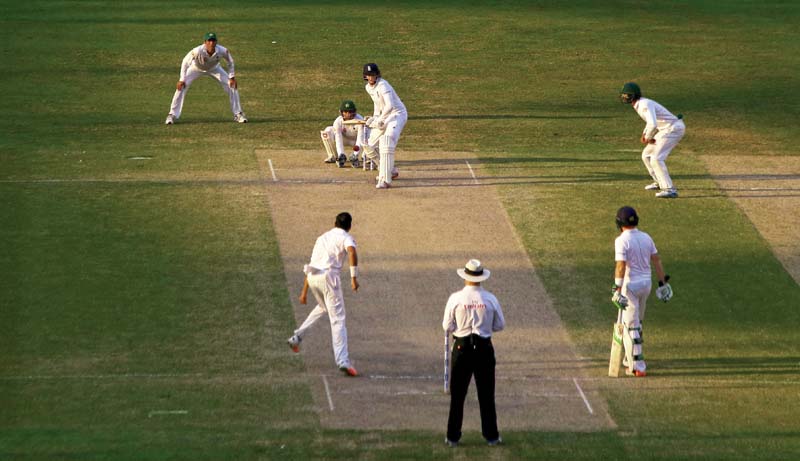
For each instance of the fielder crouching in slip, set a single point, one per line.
(634, 251)
(472, 314)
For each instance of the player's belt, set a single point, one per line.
(473, 340)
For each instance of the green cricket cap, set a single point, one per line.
(210, 36)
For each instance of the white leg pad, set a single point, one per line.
(328, 141)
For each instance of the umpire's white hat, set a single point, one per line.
(473, 271)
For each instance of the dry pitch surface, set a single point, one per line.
(767, 190)
(411, 239)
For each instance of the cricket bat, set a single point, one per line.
(354, 122)
(615, 368)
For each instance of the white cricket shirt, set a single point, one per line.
(635, 248)
(473, 310)
(331, 249)
(354, 133)
(656, 117)
(200, 58)
(385, 100)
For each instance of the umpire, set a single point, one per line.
(472, 314)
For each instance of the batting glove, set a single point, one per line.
(618, 298)
(664, 290)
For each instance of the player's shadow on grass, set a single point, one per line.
(502, 161)
(414, 118)
(728, 366)
(503, 117)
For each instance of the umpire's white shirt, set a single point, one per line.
(473, 310)
(329, 251)
(656, 117)
(635, 248)
(386, 102)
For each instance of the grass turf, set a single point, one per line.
(133, 287)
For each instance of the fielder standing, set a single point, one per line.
(472, 315)
(661, 134)
(634, 251)
(205, 61)
(339, 135)
(388, 118)
(323, 279)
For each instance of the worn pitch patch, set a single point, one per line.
(411, 239)
(765, 187)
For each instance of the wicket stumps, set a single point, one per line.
(368, 164)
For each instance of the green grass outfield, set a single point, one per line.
(143, 307)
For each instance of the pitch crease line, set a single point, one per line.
(328, 392)
(583, 396)
(167, 412)
(272, 170)
(471, 172)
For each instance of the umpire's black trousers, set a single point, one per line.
(472, 355)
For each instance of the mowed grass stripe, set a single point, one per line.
(727, 66)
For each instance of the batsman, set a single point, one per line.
(634, 251)
(388, 118)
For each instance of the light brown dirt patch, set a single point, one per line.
(767, 189)
(411, 239)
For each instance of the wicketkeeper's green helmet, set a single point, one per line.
(630, 92)
(347, 106)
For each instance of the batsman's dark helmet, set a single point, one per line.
(371, 68)
(630, 92)
(347, 106)
(344, 220)
(626, 216)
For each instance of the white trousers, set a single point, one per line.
(327, 290)
(385, 141)
(632, 317)
(654, 156)
(217, 73)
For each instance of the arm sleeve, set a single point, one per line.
(449, 320)
(499, 322)
(187, 61)
(337, 135)
(386, 107)
(229, 58)
(361, 136)
(651, 127)
(619, 251)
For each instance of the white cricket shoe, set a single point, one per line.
(669, 193)
(240, 118)
(294, 343)
(383, 185)
(653, 186)
(170, 120)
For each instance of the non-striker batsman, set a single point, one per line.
(634, 251)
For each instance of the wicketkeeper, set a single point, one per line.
(634, 251)
(341, 134)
